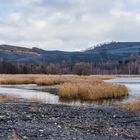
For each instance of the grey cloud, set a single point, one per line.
(69, 24)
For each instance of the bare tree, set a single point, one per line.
(82, 68)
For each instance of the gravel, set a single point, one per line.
(30, 121)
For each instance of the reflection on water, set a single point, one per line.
(107, 102)
(47, 94)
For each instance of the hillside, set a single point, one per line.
(14, 53)
(114, 51)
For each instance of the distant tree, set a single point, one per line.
(25, 70)
(82, 68)
(8, 68)
(52, 69)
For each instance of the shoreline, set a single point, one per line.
(32, 121)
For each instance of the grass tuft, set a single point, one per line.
(88, 91)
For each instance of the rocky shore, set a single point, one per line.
(30, 121)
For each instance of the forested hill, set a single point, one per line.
(103, 55)
(113, 51)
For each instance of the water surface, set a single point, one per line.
(26, 92)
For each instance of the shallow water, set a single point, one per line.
(133, 85)
(39, 93)
(26, 92)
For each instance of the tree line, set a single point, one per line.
(126, 66)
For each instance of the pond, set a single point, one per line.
(47, 94)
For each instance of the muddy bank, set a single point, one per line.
(61, 122)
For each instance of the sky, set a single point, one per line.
(68, 25)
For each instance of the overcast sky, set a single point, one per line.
(68, 24)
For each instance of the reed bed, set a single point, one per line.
(133, 106)
(47, 79)
(53, 80)
(14, 81)
(88, 91)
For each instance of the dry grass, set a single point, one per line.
(88, 91)
(16, 80)
(57, 79)
(133, 106)
(4, 98)
(49, 79)
(129, 76)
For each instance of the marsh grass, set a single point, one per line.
(133, 106)
(46, 80)
(4, 98)
(15, 80)
(88, 91)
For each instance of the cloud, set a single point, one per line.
(68, 24)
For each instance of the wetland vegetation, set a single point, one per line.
(72, 86)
